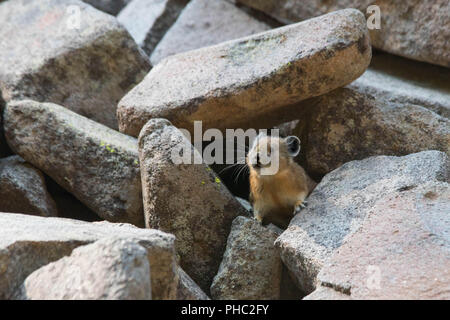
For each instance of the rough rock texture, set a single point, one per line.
(47, 56)
(109, 6)
(233, 82)
(402, 250)
(32, 242)
(325, 293)
(109, 269)
(23, 189)
(188, 289)
(96, 164)
(148, 20)
(4, 149)
(416, 29)
(339, 204)
(395, 108)
(251, 266)
(205, 23)
(188, 200)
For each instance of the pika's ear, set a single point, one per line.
(293, 145)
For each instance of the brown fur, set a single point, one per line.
(276, 198)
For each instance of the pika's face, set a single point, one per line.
(269, 154)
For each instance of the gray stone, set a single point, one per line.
(46, 56)
(148, 20)
(401, 251)
(232, 83)
(339, 204)
(185, 199)
(414, 29)
(251, 266)
(205, 23)
(28, 243)
(96, 164)
(397, 107)
(109, 6)
(23, 189)
(188, 289)
(109, 269)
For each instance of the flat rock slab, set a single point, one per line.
(251, 266)
(205, 23)
(417, 29)
(96, 164)
(32, 242)
(185, 199)
(112, 7)
(397, 107)
(339, 204)
(401, 251)
(188, 289)
(23, 189)
(148, 20)
(234, 82)
(67, 52)
(109, 269)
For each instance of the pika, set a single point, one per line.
(278, 185)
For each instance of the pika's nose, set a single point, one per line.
(258, 162)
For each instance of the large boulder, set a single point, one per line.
(23, 189)
(251, 266)
(204, 23)
(109, 269)
(339, 204)
(96, 164)
(28, 243)
(148, 20)
(109, 6)
(401, 251)
(66, 52)
(257, 75)
(397, 107)
(185, 199)
(414, 29)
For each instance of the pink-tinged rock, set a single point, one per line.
(401, 251)
(230, 84)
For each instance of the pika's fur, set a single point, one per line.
(276, 197)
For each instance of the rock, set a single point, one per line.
(187, 200)
(388, 111)
(148, 20)
(109, 269)
(23, 189)
(205, 23)
(401, 250)
(258, 75)
(109, 6)
(4, 149)
(96, 164)
(418, 30)
(28, 243)
(251, 266)
(48, 56)
(244, 203)
(188, 289)
(324, 293)
(339, 204)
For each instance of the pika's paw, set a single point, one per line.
(300, 206)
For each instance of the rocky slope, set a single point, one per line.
(374, 130)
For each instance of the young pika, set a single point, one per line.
(278, 185)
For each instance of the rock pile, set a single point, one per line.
(376, 132)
